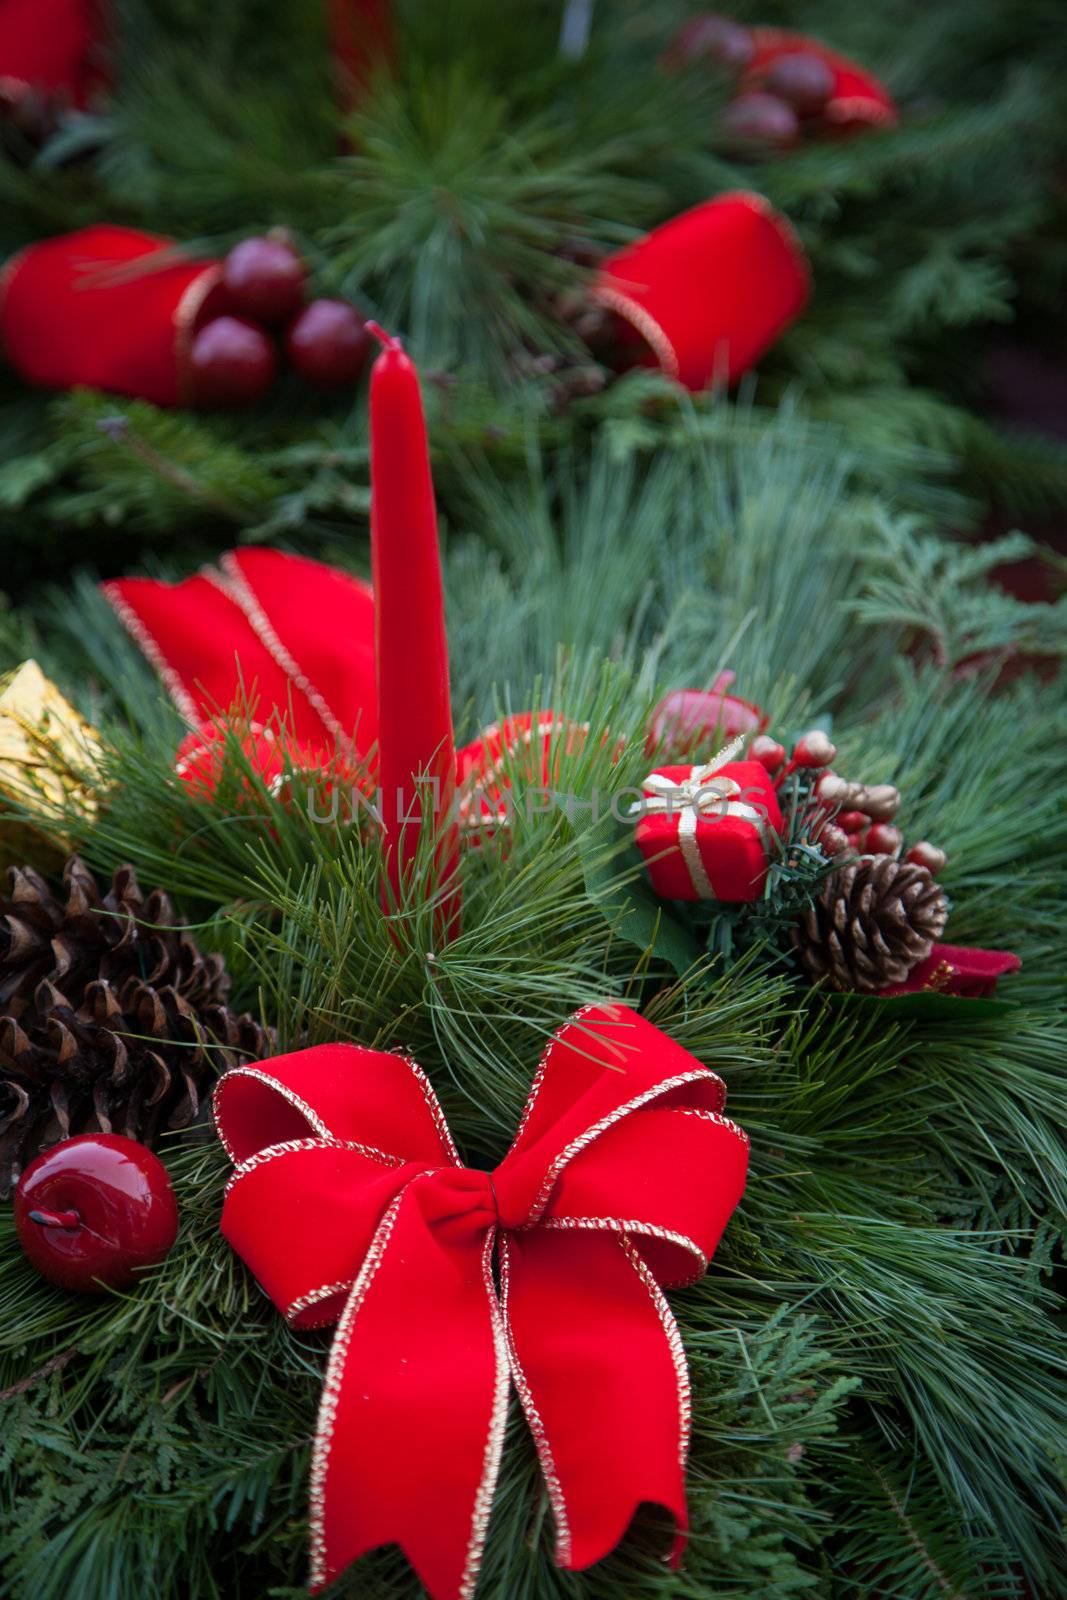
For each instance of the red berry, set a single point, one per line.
(232, 362)
(757, 119)
(814, 750)
(90, 1211)
(327, 343)
(881, 801)
(925, 854)
(803, 80)
(884, 840)
(710, 37)
(767, 751)
(852, 821)
(831, 790)
(265, 278)
(834, 841)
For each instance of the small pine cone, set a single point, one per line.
(111, 1019)
(871, 922)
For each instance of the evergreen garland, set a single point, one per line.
(878, 1390)
(480, 177)
(878, 1380)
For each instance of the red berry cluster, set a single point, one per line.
(772, 108)
(233, 358)
(857, 818)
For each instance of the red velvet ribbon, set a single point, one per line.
(858, 98)
(296, 633)
(959, 970)
(350, 1205)
(108, 308)
(51, 46)
(704, 295)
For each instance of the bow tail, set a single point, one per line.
(598, 1362)
(411, 1424)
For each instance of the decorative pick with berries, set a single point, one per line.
(872, 924)
(779, 844)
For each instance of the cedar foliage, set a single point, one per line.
(878, 1380)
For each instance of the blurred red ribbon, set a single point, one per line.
(350, 1205)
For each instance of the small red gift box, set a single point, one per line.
(704, 295)
(94, 308)
(706, 832)
(858, 99)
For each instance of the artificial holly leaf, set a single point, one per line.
(930, 1005)
(616, 883)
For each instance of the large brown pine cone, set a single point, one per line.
(871, 922)
(110, 1018)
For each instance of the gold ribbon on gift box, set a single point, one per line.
(49, 755)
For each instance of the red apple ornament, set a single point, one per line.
(686, 718)
(231, 362)
(327, 343)
(91, 1210)
(265, 278)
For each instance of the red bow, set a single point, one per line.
(297, 632)
(350, 1204)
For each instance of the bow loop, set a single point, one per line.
(646, 1178)
(302, 1215)
(601, 1066)
(380, 1101)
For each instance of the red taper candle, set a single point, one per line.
(411, 647)
(361, 37)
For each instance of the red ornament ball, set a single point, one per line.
(802, 79)
(232, 362)
(756, 119)
(710, 37)
(91, 1210)
(265, 278)
(327, 343)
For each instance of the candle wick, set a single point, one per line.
(389, 341)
